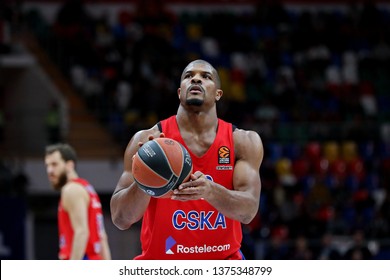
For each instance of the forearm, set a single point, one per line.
(79, 245)
(106, 253)
(128, 206)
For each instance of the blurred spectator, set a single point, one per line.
(277, 249)
(5, 178)
(53, 123)
(13, 181)
(72, 28)
(20, 183)
(78, 77)
(359, 249)
(327, 249)
(4, 34)
(301, 250)
(123, 95)
(2, 125)
(10, 16)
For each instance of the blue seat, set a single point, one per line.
(292, 150)
(367, 150)
(274, 151)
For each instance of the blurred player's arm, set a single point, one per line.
(75, 201)
(106, 253)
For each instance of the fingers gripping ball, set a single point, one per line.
(161, 165)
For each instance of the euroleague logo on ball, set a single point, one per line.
(169, 142)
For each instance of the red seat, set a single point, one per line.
(338, 168)
(300, 167)
(356, 167)
(320, 166)
(385, 165)
(313, 150)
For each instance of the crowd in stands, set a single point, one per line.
(314, 84)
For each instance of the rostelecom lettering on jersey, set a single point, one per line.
(197, 249)
(202, 249)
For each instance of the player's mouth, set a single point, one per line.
(195, 89)
(52, 178)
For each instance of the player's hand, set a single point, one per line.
(151, 137)
(198, 187)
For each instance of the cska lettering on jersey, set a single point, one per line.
(194, 220)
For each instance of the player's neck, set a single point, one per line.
(72, 176)
(199, 121)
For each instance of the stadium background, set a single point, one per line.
(312, 77)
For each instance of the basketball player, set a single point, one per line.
(80, 217)
(202, 219)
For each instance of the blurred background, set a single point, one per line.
(311, 77)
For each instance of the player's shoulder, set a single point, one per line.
(140, 136)
(71, 193)
(247, 143)
(243, 135)
(143, 134)
(72, 187)
(72, 190)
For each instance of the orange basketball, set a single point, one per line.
(161, 165)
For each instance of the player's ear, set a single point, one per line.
(70, 165)
(219, 94)
(178, 92)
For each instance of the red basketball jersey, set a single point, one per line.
(95, 223)
(194, 229)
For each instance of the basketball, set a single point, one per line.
(161, 165)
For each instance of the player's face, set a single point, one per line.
(56, 170)
(198, 85)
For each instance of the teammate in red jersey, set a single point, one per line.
(203, 218)
(80, 217)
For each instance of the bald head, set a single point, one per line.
(207, 64)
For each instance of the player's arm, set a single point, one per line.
(75, 201)
(106, 253)
(129, 202)
(242, 202)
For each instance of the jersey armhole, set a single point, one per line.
(234, 127)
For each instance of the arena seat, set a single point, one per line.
(331, 150)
